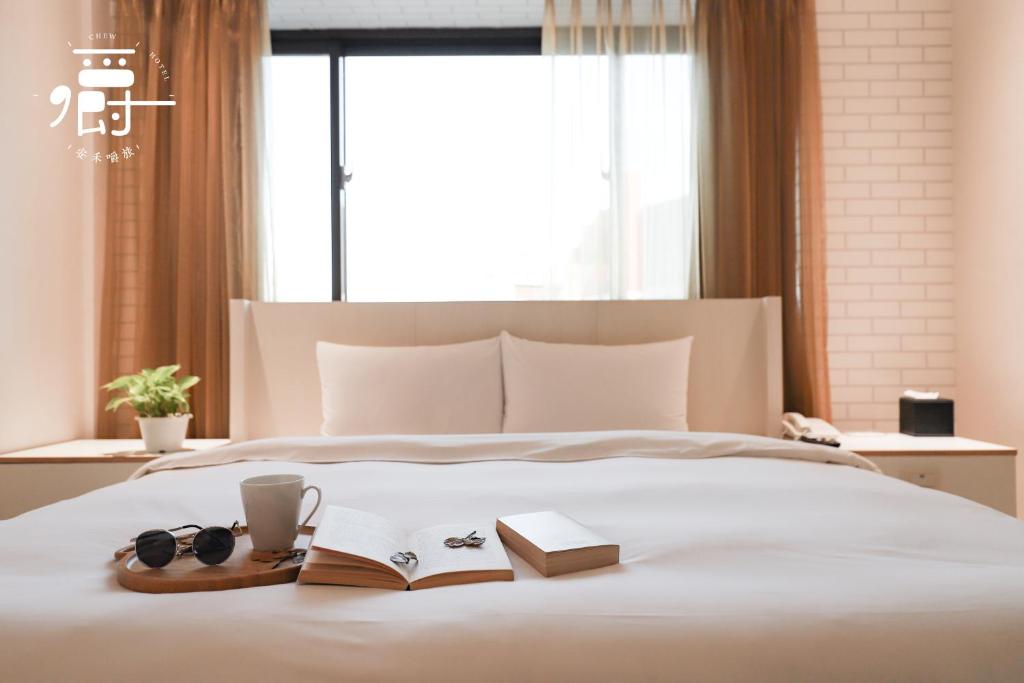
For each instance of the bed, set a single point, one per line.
(743, 557)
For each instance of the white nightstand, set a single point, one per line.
(984, 472)
(39, 476)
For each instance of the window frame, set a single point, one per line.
(337, 44)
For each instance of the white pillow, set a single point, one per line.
(580, 387)
(450, 389)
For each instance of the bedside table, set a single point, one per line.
(984, 472)
(39, 476)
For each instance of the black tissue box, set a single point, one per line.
(926, 417)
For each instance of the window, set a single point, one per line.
(300, 177)
(451, 168)
(449, 194)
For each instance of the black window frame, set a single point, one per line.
(339, 43)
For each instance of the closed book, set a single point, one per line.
(554, 544)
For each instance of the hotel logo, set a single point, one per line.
(103, 103)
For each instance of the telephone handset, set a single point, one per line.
(809, 429)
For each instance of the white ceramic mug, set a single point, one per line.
(272, 503)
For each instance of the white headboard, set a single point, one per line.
(735, 367)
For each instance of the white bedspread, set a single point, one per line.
(743, 559)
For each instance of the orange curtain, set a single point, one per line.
(760, 167)
(183, 220)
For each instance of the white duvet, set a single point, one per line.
(743, 559)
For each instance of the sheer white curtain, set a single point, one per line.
(623, 199)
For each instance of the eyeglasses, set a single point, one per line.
(210, 545)
(470, 539)
(404, 557)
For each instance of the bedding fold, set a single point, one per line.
(547, 447)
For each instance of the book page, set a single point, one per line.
(361, 534)
(436, 558)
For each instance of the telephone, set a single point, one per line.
(809, 429)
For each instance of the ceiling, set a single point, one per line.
(313, 14)
(299, 14)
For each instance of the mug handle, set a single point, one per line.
(315, 507)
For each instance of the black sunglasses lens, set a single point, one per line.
(155, 548)
(213, 545)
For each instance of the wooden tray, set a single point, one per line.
(187, 574)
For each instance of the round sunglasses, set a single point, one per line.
(210, 545)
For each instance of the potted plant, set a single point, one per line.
(161, 401)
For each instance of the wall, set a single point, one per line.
(989, 183)
(887, 86)
(47, 250)
(887, 79)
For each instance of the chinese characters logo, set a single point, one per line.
(92, 103)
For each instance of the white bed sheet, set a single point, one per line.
(735, 567)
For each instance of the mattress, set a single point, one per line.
(742, 558)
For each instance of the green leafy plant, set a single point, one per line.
(153, 393)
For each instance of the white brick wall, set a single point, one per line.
(886, 89)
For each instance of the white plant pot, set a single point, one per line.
(164, 434)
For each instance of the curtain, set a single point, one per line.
(639, 92)
(184, 228)
(762, 229)
(622, 176)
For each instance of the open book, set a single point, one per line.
(354, 548)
